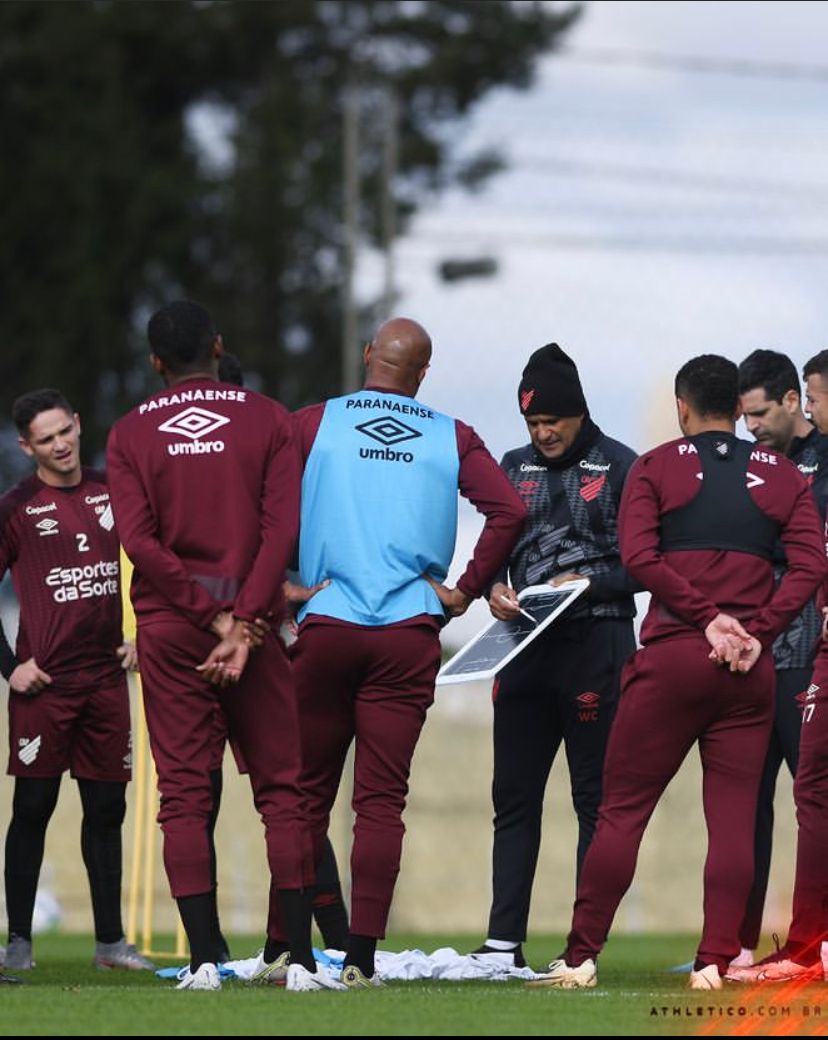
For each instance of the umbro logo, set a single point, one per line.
(47, 526)
(388, 430)
(194, 422)
(29, 749)
(107, 519)
(588, 705)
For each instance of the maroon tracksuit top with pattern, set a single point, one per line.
(62, 548)
(691, 586)
(205, 487)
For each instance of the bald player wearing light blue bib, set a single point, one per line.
(378, 525)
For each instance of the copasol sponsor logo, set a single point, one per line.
(103, 509)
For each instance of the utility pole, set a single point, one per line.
(351, 370)
(390, 160)
(350, 162)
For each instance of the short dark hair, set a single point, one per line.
(710, 385)
(181, 334)
(817, 365)
(30, 405)
(230, 370)
(770, 371)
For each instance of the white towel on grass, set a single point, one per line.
(444, 965)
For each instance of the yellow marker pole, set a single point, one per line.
(139, 783)
(139, 750)
(142, 867)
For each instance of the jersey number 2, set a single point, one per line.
(82, 542)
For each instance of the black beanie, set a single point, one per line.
(550, 385)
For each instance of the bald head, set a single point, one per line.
(398, 356)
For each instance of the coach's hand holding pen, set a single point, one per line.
(504, 604)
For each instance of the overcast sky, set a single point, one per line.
(653, 210)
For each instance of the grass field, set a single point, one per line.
(65, 996)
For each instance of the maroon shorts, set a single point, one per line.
(87, 733)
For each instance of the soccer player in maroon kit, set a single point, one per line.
(205, 488)
(329, 910)
(801, 955)
(770, 396)
(379, 507)
(68, 699)
(699, 520)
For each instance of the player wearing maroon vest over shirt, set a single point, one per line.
(205, 488)
(699, 520)
(68, 700)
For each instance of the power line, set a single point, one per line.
(758, 245)
(668, 179)
(744, 67)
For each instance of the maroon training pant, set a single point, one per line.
(261, 718)
(671, 697)
(373, 685)
(810, 902)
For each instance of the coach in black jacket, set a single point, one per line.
(565, 685)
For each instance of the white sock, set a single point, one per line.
(502, 945)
